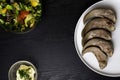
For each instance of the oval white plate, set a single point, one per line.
(113, 66)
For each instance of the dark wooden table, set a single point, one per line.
(50, 46)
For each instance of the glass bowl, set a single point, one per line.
(13, 69)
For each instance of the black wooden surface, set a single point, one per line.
(50, 46)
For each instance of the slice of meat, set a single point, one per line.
(98, 23)
(101, 57)
(100, 12)
(104, 45)
(97, 33)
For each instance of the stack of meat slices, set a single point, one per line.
(99, 23)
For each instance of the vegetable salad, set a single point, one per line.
(19, 15)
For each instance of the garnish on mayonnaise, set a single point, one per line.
(25, 72)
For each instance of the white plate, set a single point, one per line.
(113, 66)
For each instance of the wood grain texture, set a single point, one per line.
(50, 46)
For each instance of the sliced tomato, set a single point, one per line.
(22, 15)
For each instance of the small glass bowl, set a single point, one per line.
(13, 69)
